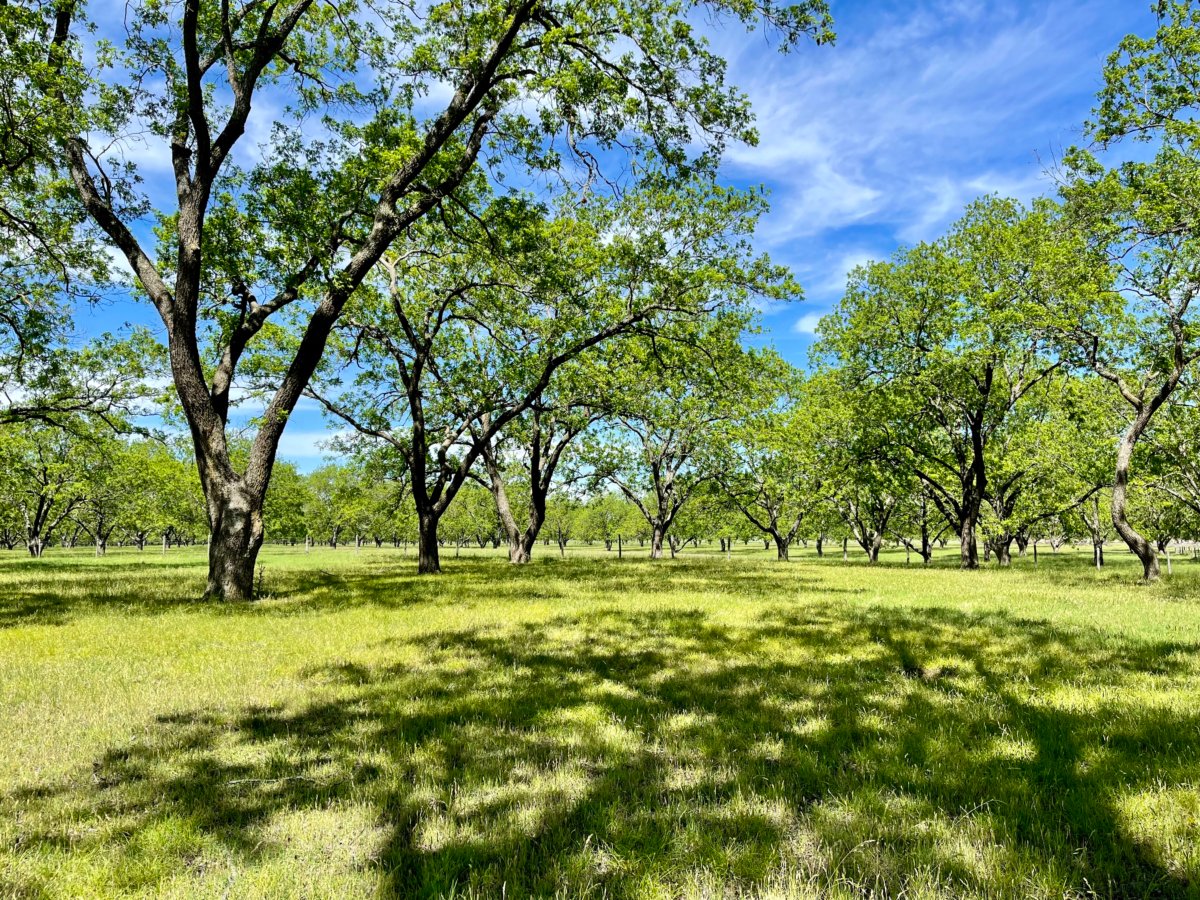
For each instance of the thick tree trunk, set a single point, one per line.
(235, 516)
(781, 547)
(1138, 545)
(874, 545)
(969, 548)
(656, 541)
(428, 562)
(1003, 548)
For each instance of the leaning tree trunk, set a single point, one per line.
(428, 562)
(1138, 545)
(235, 517)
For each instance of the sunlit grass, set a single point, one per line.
(595, 728)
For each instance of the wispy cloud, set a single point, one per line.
(918, 109)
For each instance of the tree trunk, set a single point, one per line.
(781, 547)
(234, 542)
(874, 545)
(520, 548)
(1138, 545)
(656, 541)
(820, 546)
(969, 549)
(1004, 551)
(428, 562)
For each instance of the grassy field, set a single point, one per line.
(594, 728)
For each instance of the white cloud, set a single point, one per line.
(306, 445)
(807, 323)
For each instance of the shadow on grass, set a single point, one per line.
(618, 753)
(53, 592)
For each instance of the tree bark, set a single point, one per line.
(428, 562)
(781, 547)
(1138, 545)
(656, 541)
(235, 516)
(969, 549)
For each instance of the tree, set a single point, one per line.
(562, 519)
(1134, 215)
(42, 480)
(775, 474)
(953, 336)
(285, 505)
(536, 443)
(165, 497)
(1150, 86)
(290, 236)
(607, 516)
(472, 519)
(659, 447)
(456, 347)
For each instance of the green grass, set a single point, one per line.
(594, 728)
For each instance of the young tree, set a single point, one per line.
(42, 480)
(774, 472)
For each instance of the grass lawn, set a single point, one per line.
(593, 728)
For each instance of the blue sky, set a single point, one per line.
(919, 108)
(879, 140)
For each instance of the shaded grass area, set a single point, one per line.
(593, 729)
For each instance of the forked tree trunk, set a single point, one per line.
(781, 547)
(237, 535)
(1003, 548)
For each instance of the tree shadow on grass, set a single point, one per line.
(617, 753)
(55, 592)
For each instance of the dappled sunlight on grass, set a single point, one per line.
(592, 729)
